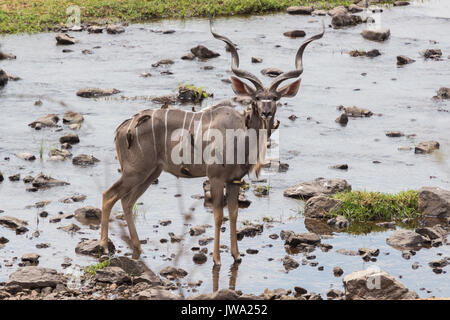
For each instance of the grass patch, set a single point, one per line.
(17, 16)
(92, 269)
(361, 206)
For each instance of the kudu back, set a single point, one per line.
(172, 140)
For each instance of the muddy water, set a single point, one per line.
(401, 95)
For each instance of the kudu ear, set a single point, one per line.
(290, 90)
(240, 88)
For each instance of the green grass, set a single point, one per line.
(362, 206)
(92, 269)
(17, 16)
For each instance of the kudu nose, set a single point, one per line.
(267, 114)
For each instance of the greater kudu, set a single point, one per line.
(145, 147)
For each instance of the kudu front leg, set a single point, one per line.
(232, 201)
(217, 201)
(110, 197)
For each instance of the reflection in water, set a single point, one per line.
(233, 276)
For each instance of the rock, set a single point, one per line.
(316, 187)
(188, 56)
(71, 138)
(342, 119)
(426, 147)
(438, 263)
(65, 39)
(84, 160)
(14, 177)
(7, 56)
(32, 277)
(369, 252)
(252, 251)
(112, 275)
(162, 62)
(3, 78)
(337, 10)
(353, 8)
(14, 223)
(136, 268)
(175, 238)
(224, 294)
(156, 294)
(337, 271)
(405, 239)
(339, 222)
(115, 29)
(200, 258)
(190, 94)
(26, 156)
(387, 225)
(250, 231)
(294, 34)
(42, 181)
(357, 112)
(334, 294)
(374, 284)
(401, 3)
(289, 263)
(271, 72)
(169, 99)
(434, 202)
(432, 233)
(3, 240)
(71, 117)
(92, 247)
(402, 60)
(202, 52)
(341, 20)
(381, 34)
(305, 10)
(70, 228)
(256, 60)
(299, 239)
(59, 155)
(443, 93)
(362, 53)
(205, 241)
(435, 54)
(95, 29)
(320, 206)
(319, 12)
(33, 258)
(174, 272)
(343, 166)
(49, 120)
(88, 213)
(96, 92)
(197, 230)
(13, 77)
(394, 134)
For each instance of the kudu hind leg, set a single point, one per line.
(233, 206)
(128, 203)
(217, 201)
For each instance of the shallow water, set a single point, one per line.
(310, 147)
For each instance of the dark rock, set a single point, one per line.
(394, 134)
(339, 222)
(376, 35)
(112, 275)
(71, 117)
(434, 202)
(200, 258)
(290, 263)
(202, 52)
(65, 39)
(33, 258)
(334, 294)
(402, 60)
(42, 181)
(435, 54)
(294, 34)
(3, 78)
(271, 72)
(115, 29)
(345, 20)
(337, 271)
(443, 93)
(357, 112)
(71, 138)
(299, 239)
(250, 231)
(320, 206)
(342, 119)
(188, 56)
(70, 228)
(401, 3)
(162, 62)
(49, 120)
(197, 230)
(84, 160)
(95, 29)
(256, 60)
(92, 248)
(14, 223)
(174, 272)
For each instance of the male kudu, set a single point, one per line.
(145, 147)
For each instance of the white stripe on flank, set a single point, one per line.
(153, 131)
(165, 139)
(137, 139)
